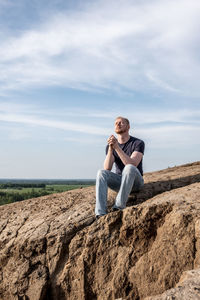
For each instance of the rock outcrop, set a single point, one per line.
(51, 248)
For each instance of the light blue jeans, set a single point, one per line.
(130, 180)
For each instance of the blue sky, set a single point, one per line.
(68, 68)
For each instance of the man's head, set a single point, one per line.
(122, 125)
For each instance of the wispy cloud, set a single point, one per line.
(67, 126)
(171, 137)
(157, 128)
(130, 45)
(137, 116)
(164, 136)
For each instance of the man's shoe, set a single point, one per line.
(98, 216)
(115, 208)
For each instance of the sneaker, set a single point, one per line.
(99, 216)
(115, 208)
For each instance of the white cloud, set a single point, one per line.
(171, 136)
(56, 124)
(153, 116)
(129, 44)
(159, 128)
(166, 116)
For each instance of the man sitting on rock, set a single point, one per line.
(126, 152)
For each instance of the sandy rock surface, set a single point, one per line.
(187, 288)
(51, 247)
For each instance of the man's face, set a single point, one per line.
(121, 126)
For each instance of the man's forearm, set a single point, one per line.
(124, 157)
(108, 163)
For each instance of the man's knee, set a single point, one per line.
(102, 173)
(129, 169)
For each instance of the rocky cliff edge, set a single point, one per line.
(52, 249)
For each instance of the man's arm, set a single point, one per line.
(109, 160)
(135, 157)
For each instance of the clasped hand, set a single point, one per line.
(112, 142)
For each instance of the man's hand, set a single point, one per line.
(112, 142)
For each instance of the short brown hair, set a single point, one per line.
(125, 119)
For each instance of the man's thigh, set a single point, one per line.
(114, 181)
(138, 182)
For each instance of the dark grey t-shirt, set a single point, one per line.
(133, 144)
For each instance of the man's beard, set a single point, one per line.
(120, 131)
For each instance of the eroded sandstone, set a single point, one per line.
(51, 247)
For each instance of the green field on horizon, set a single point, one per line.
(54, 188)
(18, 192)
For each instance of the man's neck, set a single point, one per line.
(123, 138)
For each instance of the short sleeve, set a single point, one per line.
(139, 146)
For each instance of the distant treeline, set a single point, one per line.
(38, 182)
(21, 185)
